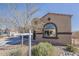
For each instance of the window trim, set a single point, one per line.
(56, 37)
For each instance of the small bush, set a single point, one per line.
(71, 48)
(43, 49)
(15, 52)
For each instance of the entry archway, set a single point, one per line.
(50, 30)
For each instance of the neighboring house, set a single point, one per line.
(8, 32)
(75, 38)
(3, 33)
(13, 32)
(54, 28)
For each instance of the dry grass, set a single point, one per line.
(5, 51)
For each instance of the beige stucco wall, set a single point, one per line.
(63, 22)
(75, 41)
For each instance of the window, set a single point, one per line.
(50, 30)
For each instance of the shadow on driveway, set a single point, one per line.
(16, 40)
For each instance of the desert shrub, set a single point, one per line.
(43, 49)
(71, 48)
(16, 52)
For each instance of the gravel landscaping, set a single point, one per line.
(63, 52)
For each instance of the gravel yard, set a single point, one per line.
(63, 52)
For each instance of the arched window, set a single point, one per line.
(50, 30)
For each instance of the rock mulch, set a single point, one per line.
(63, 52)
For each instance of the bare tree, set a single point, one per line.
(31, 10)
(12, 18)
(22, 20)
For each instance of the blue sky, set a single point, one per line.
(66, 8)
